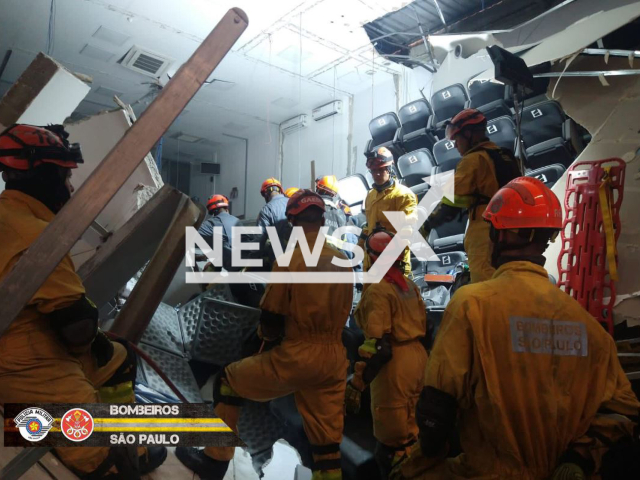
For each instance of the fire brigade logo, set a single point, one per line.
(77, 425)
(33, 423)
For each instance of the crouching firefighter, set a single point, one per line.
(530, 377)
(53, 352)
(393, 318)
(483, 169)
(310, 360)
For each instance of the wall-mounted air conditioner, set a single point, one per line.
(294, 124)
(209, 168)
(327, 110)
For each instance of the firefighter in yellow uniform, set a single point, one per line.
(532, 379)
(53, 351)
(310, 361)
(393, 318)
(387, 195)
(483, 169)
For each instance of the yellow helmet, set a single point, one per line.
(290, 191)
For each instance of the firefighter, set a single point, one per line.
(483, 169)
(309, 361)
(386, 195)
(53, 352)
(393, 318)
(218, 207)
(532, 379)
(335, 216)
(272, 215)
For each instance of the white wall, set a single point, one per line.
(326, 142)
(263, 152)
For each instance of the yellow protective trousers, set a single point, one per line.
(479, 247)
(394, 395)
(313, 369)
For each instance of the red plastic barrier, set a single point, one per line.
(584, 269)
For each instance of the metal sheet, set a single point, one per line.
(259, 429)
(222, 327)
(175, 367)
(164, 331)
(189, 313)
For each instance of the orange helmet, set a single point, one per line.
(466, 118)
(524, 202)
(217, 201)
(327, 184)
(383, 158)
(376, 243)
(301, 200)
(270, 183)
(290, 191)
(23, 147)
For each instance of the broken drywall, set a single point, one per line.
(97, 135)
(46, 93)
(612, 116)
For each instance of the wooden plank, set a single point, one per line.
(70, 223)
(129, 248)
(137, 312)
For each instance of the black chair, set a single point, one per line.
(490, 97)
(446, 104)
(446, 155)
(548, 175)
(414, 133)
(384, 130)
(449, 237)
(415, 166)
(546, 134)
(502, 132)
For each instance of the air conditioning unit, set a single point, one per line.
(294, 124)
(146, 62)
(327, 110)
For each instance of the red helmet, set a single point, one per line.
(524, 202)
(23, 147)
(327, 184)
(270, 183)
(301, 200)
(383, 158)
(378, 241)
(465, 118)
(217, 201)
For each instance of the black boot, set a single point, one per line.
(206, 467)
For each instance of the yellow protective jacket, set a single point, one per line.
(34, 366)
(475, 179)
(531, 371)
(396, 198)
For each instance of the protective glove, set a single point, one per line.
(102, 349)
(568, 471)
(352, 397)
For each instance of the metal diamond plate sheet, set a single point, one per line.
(175, 367)
(189, 313)
(259, 429)
(222, 327)
(164, 331)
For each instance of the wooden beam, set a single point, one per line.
(42, 257)
(313, 175)
(137, 312)
(130, 247)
